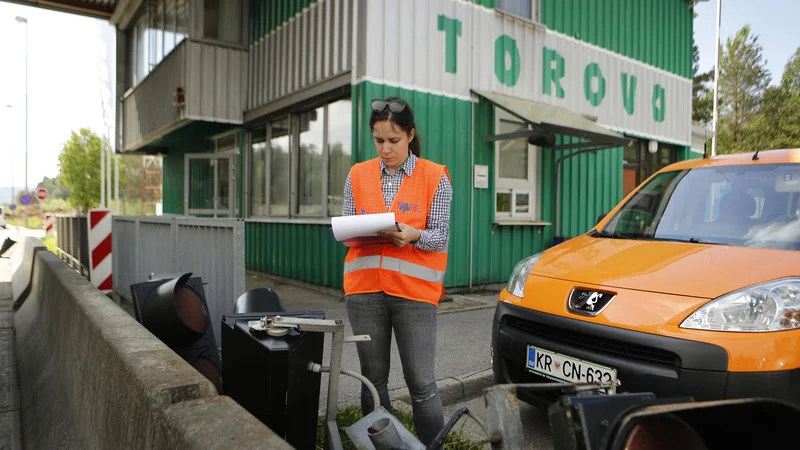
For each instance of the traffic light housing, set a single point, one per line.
(176, 312)
(268, 375)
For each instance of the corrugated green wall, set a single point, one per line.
(486, 3)
(656, 32)
(267, 15)
(192, 138)
(497, 249)
(591, 184)
(303, 252)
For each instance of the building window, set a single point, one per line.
(258, 172)
(639, 164)
(340, 141)
(159, 27)
(516, 172)
(302, 172)
(526, 9)
(279, 148)
(310, 161)
(225, 142)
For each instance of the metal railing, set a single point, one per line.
(209, 248)
(72, 242)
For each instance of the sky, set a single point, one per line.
(774, 21)
(64, 92)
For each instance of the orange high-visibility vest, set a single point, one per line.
(405, 272)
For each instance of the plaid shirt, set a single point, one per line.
(432, 239)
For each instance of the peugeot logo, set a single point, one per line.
(588, 302)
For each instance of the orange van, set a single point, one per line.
(690, 286)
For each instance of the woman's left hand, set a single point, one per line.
(403, 237)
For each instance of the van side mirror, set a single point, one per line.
(601, 217)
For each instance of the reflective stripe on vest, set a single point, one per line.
(397, 265)
(364, 262)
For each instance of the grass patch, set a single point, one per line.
(34, 222)
(349, 415)
(50, 243)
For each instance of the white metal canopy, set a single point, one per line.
(554, 120)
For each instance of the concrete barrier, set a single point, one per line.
(22, 267)
(92, 377)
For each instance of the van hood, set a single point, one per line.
(689, 269)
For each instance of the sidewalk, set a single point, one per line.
(463, 365)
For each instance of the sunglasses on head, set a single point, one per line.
(395, 106)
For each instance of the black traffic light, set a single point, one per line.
(7, 244)
(176, 312)
(268, 375)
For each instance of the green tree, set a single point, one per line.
(791, 73)
(743, 80)
(79, 164)
(702, 95)
(778, 121)
(55, 189)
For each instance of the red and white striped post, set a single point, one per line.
(100, 262)
(49, 225)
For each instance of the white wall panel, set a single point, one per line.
(313, 46)
(406, 47)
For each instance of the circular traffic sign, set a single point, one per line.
(26, 199)
(41, 193)
(13, 206)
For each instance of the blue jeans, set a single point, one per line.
(415, 326)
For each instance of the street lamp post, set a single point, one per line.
(715, 118)
(13, 200)
(23, 20)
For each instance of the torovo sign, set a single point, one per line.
(471, 47)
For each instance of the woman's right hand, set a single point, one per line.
(400, 238)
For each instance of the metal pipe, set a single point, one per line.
(102, 175)
(117, 209)
(315, 367)
(13, 200)
(20, 19)
(109, 157)
(716, 81)
(472, 190)
(332, 439)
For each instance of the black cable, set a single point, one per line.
(439, 441)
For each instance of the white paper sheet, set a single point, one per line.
(348, 227)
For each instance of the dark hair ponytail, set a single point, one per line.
(415, 146)
(403, 120)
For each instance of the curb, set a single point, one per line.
(453, 390)
(461, 310)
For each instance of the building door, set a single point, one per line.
(640, 164)
(209, 184)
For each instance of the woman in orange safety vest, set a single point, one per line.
(397, 286)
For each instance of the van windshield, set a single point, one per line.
(752, 206)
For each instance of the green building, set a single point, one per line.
(546, 113)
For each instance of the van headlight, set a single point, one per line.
(516, 283)
(772, 306)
